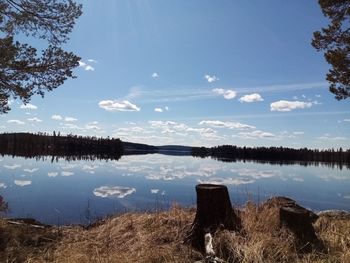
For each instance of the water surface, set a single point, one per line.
(62, 192)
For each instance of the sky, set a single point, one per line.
(199, 73)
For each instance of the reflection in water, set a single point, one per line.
(340, 164)
(67, 173)
(154, 191)
(226, 181)
(113, 191)
(30, 170)
(12, 167)
(52, 174)
(145, 181)
(22, 182)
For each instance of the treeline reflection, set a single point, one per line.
(68, 147)
(42, 146)
(277, 155)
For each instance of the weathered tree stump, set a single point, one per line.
(296, 218)
(214, 210)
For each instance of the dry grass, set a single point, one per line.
(158, 237)
(134, 237)
(23, 242)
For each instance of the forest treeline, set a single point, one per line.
(275, 155)
(74, 147)
(68, 146)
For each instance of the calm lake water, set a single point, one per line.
(65, 192)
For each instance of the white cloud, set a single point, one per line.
(256, 134)
(285, 105)
(169, 127)
(16, 122)
(132, 130)
(230, 94)
(28, 106)
(34, 119)
(56, 117)
(115, 105)
(70, 119)
(92, 60)
(211, 79)
(251, 98)
(71, 126)
(207, 133)
(23, 182)
(326, 137)
(227, 94)
(219, 91)
(155, 75)
(346, 120)
(86, 66)
(229, 125)
(158, 110)
(298, 133)
(93, 126)
(113, 191)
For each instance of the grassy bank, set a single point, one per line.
(158, 237)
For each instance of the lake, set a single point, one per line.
(64, 192)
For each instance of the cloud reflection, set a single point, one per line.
(12, 167)
(226, 181)
(257, 174)
(113, 191)
(52, 174)
(154, 191)
(30, 170)
(23, 182)
(67, 173)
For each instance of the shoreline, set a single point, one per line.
(158, 237)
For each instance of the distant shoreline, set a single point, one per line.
(73, 146)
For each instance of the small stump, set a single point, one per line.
(296, 218)
(214, 210)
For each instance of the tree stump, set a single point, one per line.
(214, 210)
(296, 218)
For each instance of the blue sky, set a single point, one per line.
(198, 72)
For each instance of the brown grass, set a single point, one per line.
(158, 237)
